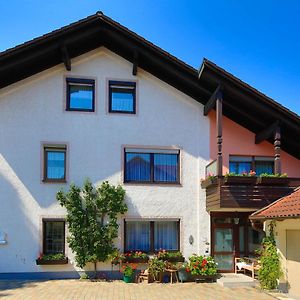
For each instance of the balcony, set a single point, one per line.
(243, 192)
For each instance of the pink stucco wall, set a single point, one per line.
(237, 140)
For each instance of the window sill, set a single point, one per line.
(136, 183)
(81, 110)
(54, 181)
(52, 262)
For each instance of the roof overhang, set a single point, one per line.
(242, 103)
(250, 108)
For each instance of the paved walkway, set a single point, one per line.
(117, 290)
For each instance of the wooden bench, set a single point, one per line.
(243, 264)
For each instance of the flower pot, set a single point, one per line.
(183, 275)
(127, 279)
(247, 180)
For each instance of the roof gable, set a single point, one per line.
(242, 103)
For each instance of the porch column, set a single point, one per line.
(219, 124)
(277, 144)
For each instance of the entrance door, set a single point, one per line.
(232, 236)
(224, 247)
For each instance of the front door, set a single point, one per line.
(223, 248)
(232, 236)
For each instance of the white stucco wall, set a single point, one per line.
(32, 111)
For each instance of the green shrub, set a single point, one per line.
(270, 270)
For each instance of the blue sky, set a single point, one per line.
(257, 41)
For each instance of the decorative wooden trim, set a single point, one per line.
(277, 148)
(135, 63)
(211, 103)
(219, 124)
(65, 57)
(266, 132)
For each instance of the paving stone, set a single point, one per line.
(118, 290)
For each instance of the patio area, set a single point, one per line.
(117, 290)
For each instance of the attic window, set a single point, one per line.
(80, 94)
(122, 97)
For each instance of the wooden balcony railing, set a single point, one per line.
(246, 192)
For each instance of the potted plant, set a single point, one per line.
(116, 257)
(183, 272)
(202, 267)
(170, 256)
(156, 268)
(52, 259)
(135, 257)
(128, 271)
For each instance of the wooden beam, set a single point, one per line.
(277, 144)
(266, 133)
(65, 57)
(212, 100)
(135, 63)
(219, 124)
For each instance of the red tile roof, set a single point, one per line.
(286, 207)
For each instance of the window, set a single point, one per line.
(53, 236)
(80, 94)
(55, 163)
(151, 166)
(122, 97)
(240, 164)
(151, 236)
(243, 164)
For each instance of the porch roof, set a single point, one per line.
(283, 208)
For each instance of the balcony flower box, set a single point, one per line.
(240, 180)
(273, 180)
(41, 261)
(208, 182)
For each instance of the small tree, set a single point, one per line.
(270, 270)
(92, 215)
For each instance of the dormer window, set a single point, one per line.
(122, 97)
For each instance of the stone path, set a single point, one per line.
(118, 290)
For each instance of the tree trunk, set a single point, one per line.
(95, 270)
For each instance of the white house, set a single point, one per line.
(93, 99)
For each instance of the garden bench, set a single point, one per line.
(243, 264)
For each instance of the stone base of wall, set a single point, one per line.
(109, 275)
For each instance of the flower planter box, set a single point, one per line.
(208, 182)
(273, 180)
(173, 259)
(52, 262)
(248, 180)
(199, 278)
(136, 260)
